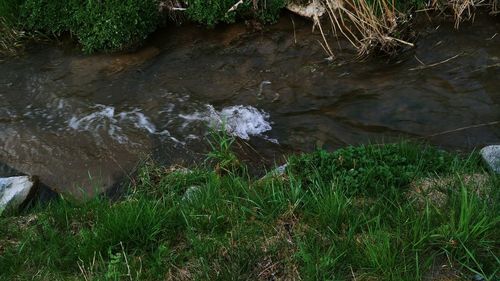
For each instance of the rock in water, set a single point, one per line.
(14, 191)
(491, 155)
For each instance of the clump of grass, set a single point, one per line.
(346, 215)
(221, 153)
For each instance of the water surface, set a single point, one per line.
(82, 122)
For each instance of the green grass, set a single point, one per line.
(331, 216)
(9, 10)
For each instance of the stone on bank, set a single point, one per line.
(491, 156)
(14, 191)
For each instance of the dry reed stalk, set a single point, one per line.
(373, 25)
(10, 39)
(366, 26)
(463, 10)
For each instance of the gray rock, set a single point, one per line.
(280, 170)
(491, 155)
(14, 191)
(190, 193)
(277, 172)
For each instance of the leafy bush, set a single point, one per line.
(53, 17)
(268, 11)
(211, 12)
(99, 25)
(115, 24)
(9, 10)
(369, 169)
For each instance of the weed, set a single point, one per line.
(221, 153)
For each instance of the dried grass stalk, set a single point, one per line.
(11, 39)
(367, 26)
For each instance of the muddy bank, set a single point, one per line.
(82, 122)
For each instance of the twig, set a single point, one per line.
(235, 6)
(421, 62)
(491, 38)
(294, 32)
(400, 41)
(352, 272)
(435, 64)
(126, 262)
(463, 129)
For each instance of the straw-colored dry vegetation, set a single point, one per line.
(11, 39)
(368, 26)
(382, 25)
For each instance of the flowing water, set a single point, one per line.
(81, 123)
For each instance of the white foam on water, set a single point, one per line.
(105, 118)
(241, 121)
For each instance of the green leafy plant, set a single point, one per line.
(99, 25)
(115, 25)
(371, 169)
(212, 12)
(221, 153)
(9, 11)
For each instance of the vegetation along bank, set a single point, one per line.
(114, 25)
(379, 212)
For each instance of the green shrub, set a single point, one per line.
(371, 169)
(98, 25)
(268, 11)
(115, 24)
(9, 10)
(211, 12)
(52, 17)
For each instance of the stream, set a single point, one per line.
(82, 123)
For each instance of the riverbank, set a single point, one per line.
(380, 212)
(110, 26)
